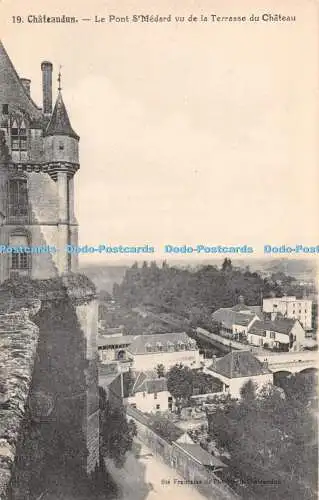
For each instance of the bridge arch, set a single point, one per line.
(281, 375)
(313, 370)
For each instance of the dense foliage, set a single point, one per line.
(116, 433)
(271, 440)
(182, 383)
(194, 294)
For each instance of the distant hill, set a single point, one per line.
(104, 276)
(298, 268)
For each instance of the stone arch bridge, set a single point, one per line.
(292, 362)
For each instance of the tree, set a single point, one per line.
(227, 265)
(270, 439)
(180, 383)
(248, 391)
(160, 370)
(116, 433)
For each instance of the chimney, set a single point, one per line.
(47, 69)
(26, 83)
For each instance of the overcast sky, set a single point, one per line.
(193, 133)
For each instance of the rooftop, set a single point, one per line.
(280, 325)
(237, 364)
(12, 89)
(120, 340)
(201, 455)
(228, 317)
(59, 123)
(143, 344)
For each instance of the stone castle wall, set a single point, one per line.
(59, 405)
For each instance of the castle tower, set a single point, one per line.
(62, 156)
(38, 159)
(36, 177)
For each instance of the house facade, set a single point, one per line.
(144, 391)
(281, 334)
(236, 368)
(234, 322)
(168, 349)
(114, 348)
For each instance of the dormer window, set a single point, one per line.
(19, 135)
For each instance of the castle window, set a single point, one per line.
(19, 136)
(20, 262)
(18, 198)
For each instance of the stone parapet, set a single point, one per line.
(18, 345)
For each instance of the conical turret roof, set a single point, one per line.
(59, 123)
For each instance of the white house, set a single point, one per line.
(235, 321)
(236, 368)
(281, 334)
(144, 391)
(168, 349)
(290, 307)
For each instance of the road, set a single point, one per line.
(143, 479)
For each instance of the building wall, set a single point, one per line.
(272, 338)
(109, 353)
(234, 385)
(291, 307)
(149, 361)
(150, 403)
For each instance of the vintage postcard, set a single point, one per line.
(159, 247)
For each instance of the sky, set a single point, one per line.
(192, 133)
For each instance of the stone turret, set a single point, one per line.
(61, 146)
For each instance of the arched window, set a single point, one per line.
(18, 197)
(21, 259)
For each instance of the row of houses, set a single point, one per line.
(265, 326)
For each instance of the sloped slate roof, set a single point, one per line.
(139, 345)
(59, 123)
(248, 309)
(227, 317)
(201, 455)
(12, 90)
(116, 341)
(239, 364)
(281, 325)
